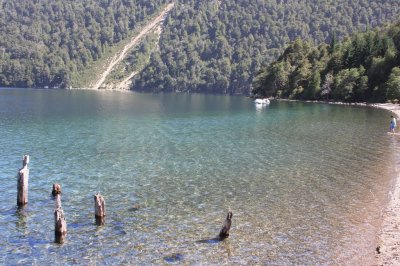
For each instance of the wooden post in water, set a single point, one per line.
(224, 233)
(23, 177)
(60, 224)
(56, 192)
(99, 209)
(57, 198)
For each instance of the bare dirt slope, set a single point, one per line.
(134, 41)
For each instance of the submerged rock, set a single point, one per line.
(176, 257)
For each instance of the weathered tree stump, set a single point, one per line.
(56, 189)
(57, 201)
(99, 209)
(224, 233)
(60, 224)
(22, 182)
(25, 160)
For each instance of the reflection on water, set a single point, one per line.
(21, 214)
(306, 182)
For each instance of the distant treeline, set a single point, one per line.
(218, 46)
(363, 67)
(206, 46)
(47, 42)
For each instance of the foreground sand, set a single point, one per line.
(388, 247)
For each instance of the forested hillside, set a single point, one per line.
(364, 67)
(217, 46)
(49, 42)
(205, 46)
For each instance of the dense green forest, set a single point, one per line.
(218, 46)
(205, 46)
(363, 67)
(50, 42)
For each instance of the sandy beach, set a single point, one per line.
(388, 246)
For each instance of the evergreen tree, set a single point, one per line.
(364, 67)
(393, 85)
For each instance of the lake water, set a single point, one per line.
(307, 183)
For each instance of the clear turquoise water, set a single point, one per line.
(306, 183)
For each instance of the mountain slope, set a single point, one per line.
(217, 46)
(206, 46)
(51, 42)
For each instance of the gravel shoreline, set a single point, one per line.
(388, 246)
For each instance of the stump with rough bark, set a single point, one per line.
(60, 223)
(99, 209)
(224, 233)
(22, 182)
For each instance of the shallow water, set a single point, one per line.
(306, 183)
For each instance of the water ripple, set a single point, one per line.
(305, 182)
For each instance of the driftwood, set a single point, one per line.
(224, 233)
(99, 209)
(22, 182)
(60, 224)
(56, 189)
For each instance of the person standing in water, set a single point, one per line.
(393, 123)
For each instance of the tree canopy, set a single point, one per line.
(205, 46)
(49, 42)
(363, 67)
(218, 46)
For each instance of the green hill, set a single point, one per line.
(363, 67)
(205, 46)
(218, 46)
(52, 42)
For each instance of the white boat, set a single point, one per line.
(261, 101)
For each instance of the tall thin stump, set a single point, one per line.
(224, 233)
(99, 209)
(22, 182)
(60, 223)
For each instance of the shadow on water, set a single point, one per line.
(214, 240)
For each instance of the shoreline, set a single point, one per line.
(387, 249)
(388, 246)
